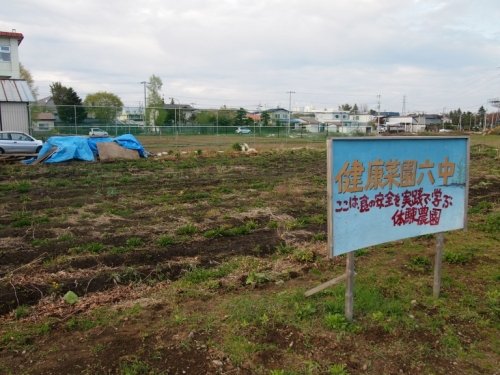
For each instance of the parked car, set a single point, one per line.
(18, 142)
(96, 132)
(241, 130)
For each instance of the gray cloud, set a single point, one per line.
(438, 53)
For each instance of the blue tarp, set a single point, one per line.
(83, 148)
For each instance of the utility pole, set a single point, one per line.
(289, 109)
(144, 111)
(442, 118)
(378, 113)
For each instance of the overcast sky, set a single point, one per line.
(439, 54)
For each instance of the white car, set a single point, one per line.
(241, 130)
(18, 142)
(96, 132)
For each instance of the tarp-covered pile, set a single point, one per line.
(82, 148)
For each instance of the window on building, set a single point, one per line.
(4, 53)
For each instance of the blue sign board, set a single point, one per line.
(390, 188)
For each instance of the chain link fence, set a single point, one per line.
(173, 121)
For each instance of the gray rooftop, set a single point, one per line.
(15, 90)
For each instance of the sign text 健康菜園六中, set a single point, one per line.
(386, 189)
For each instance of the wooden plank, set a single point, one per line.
(45, 156)
(325, 285)
(11, 158)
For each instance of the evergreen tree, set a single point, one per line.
(265, 118)
(69, 104)
(241, 117)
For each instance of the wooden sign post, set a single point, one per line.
(437, 264)
(349, 287)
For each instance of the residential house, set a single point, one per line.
(255, 117)
(47, 104)
(349, 127)
(15, 93)
(414, 123)
(340, 122)
(403, 124)
(331, 117)
(43, 121)
(278, 116)
(362, 117)
(311, 125)
(429, 122)
(132, 116)
(182, 112)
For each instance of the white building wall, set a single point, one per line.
(14, 116)
(10, 69)
(366, 118)
(327, 116)
(409, 123)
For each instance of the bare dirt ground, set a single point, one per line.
(198, 264)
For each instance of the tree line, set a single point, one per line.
(105, 107)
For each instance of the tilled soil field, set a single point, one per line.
(76, 224)
(175, 262)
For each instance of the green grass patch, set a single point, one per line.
(18, 186)
(225, 231)
(25, 219)
(460, 256)
(419, 263)
(134, 242)
(187, 230)
(199, 275)
(21, 337)
(165, 240)
(99, 317)
(91, 247)
(239, 348)
(492, 223)
(481, 207)
(304, 255)
(191, 196)
(21, 311)
(284, 249)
